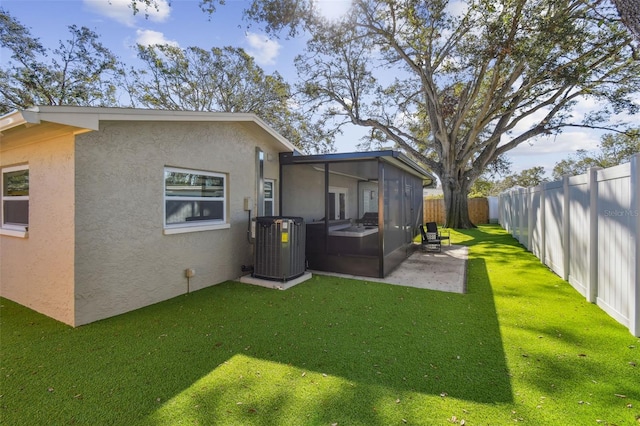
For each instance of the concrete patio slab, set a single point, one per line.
(442, 271)
(279, 285)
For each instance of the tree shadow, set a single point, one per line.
(371, 336)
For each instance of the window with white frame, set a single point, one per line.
(15, 197)
(269, 197)
(194, 198)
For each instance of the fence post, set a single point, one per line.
(530, 192)
(523, 206)
(543, 224)
(592, 283)
(634, 308)
(566, 252)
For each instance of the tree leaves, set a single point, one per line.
(223, 79)
(80, 71)
(450, 86)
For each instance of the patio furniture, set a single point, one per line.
(368, 219)
(433, 227)
(430, 241)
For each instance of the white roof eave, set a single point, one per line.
(89, 118)
(18, 118)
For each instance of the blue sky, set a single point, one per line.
(184, 24)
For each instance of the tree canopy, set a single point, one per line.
(614, 149)
(486, 186)
(220, 79)
(456, 85)
(80, 71)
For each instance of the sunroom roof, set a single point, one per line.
(396, 158)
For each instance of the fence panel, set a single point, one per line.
(585, 228)
(478, 210)
(434, 210)
(536, 221)
(517, 215)
(525, 206)
(614, 242)
(553, 214)
(579, 234)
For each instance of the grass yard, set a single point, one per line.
(521, 347)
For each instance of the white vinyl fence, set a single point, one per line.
(585, 228)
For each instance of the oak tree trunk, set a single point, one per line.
(456, 204)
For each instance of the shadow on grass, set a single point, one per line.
(559, 345)
(320, 348)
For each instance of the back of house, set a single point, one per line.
(105, 209)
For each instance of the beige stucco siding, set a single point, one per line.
(123, 259)
(38, 271)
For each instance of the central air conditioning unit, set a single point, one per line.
(280, 248)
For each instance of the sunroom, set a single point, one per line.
(362, 210)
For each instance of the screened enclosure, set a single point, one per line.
(361, 210)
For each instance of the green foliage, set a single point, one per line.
(462, 77)
(484, 187)
(521, 346)
(527, 178)
(615, 149)
(81, 71)
(195, 79)
(221, 79)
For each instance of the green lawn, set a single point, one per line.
(521, 347)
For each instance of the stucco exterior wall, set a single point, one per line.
(38, 271)
(123, 259)
(303, 192)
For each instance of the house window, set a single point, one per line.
(269, 187)
(15, 198)
(194, 198)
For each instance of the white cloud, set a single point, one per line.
(263, 50)
(150, 37)
(546, 151)
(457, 8)
(122, 11)
(567, 142)
(333, 9)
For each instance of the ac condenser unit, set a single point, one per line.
(280, 248)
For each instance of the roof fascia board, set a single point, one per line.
(18, 118)
(198, 116)
(390, 156)
(404, 159)
(89, 118)
(83, 121)
(37, 115)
